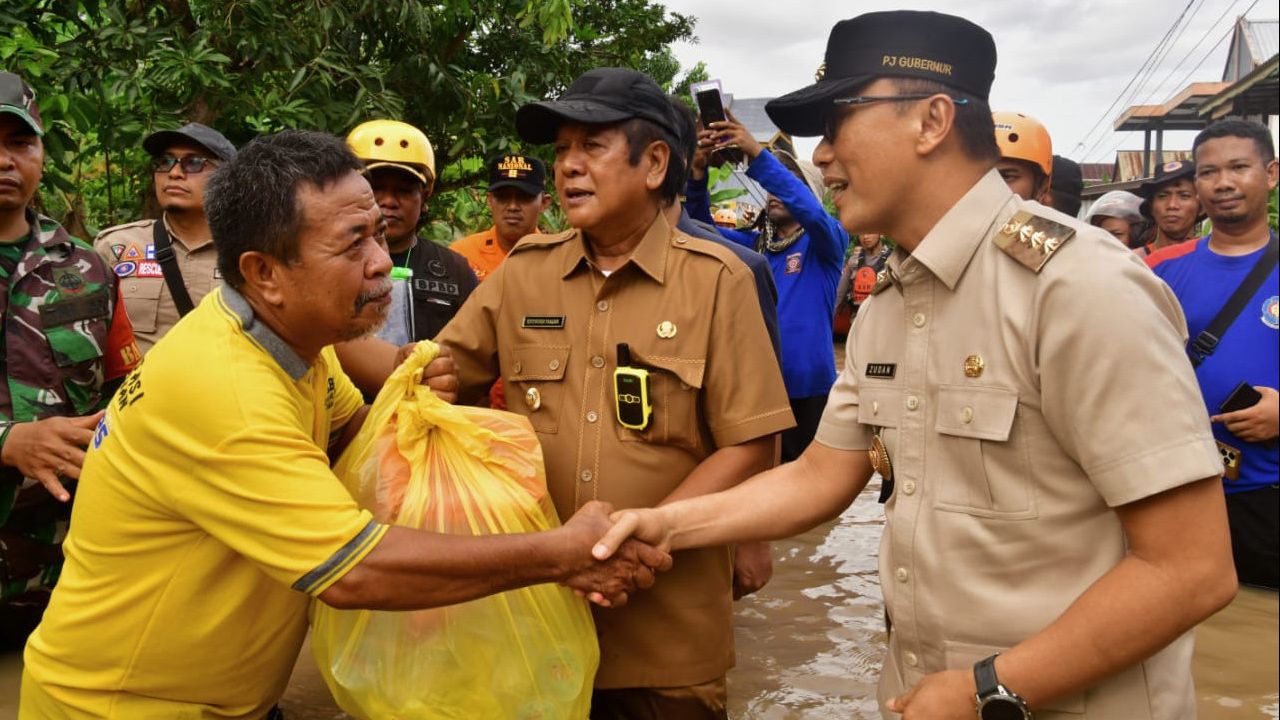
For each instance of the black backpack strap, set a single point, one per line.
(169, 266)
(1203, 345)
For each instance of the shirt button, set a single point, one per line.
(909, 487)
(902, 574)
(910, 659)
(597, 362)
(967, 415)
(681, 240)
(603, 305)
(586, 476)
(875, 407)
(913, 402)
(592, 416)
(554, 364)
(918, 319)
(516, 368)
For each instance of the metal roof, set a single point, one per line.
(1263, 37)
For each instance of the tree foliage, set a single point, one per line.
(108, 72)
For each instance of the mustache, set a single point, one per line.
(373, 295)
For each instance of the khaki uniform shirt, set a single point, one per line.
(548, 323)
(1018, 408)
(130, 250)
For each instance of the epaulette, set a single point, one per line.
(1031, 239)
(116, 228)
(543, 240)
(691, 243)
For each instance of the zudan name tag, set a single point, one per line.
(543, 322)
(884, 371)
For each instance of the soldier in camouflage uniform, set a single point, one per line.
(61, 347)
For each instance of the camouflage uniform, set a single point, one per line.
(61, 342)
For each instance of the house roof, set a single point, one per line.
(1181, 112)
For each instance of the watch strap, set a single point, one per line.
(984, 676)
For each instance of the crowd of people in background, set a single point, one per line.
(190, 377)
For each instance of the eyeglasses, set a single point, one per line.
(191, 165)
(834, 119)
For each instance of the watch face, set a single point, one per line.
(1001, 708)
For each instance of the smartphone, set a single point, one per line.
(710, 106)
(1243, 396)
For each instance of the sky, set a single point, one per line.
(1063, 62)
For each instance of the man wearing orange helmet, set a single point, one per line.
(1026, 154)
(401, 167)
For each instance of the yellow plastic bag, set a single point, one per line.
(527, 654)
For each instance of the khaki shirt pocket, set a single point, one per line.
(963, 656)
(675, 388)
(536, 383)
(142, 302)
(983, 468)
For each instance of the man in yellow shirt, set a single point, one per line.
(209, 517)
(517, 197)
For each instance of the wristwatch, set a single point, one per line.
(995, 701)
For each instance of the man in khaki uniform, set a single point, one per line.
(552, 320)
(1019, 382)
(181, 161)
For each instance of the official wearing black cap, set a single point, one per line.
(1054, 514)
(1170, 201)
(640, 356)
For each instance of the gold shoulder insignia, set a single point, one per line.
(884, 279)
(1031, 239)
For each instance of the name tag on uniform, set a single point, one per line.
(543, 322)
(883, 371)
(435, 286)
(74, 309)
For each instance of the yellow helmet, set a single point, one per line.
(391, 143)
(1022, 137)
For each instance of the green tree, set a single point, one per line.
(107, 72)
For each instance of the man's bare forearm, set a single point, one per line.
(725, 468)
(779, 503)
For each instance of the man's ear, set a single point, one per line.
(263, 276)
(546, 202)
(935, 121)
(658, 154)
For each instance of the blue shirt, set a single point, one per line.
(806, 274)
(1249, 350)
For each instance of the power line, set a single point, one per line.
(1203, 37)
(1168, 48)
(1106, 113)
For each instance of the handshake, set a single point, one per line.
(608, 557)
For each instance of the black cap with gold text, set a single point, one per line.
(523, 172)
(900, 43)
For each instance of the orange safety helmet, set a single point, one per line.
(724, 217)
(391, 143)
(1022, 137)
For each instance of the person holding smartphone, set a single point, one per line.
(805, 247)
(1235, 172)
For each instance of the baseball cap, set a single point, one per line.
(523, 172)
(1165, 174)
(204, 136)
(599, 96)
(900, 43)
(17, 98)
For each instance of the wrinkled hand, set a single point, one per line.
(608, 581)
(752, 567)
(947, 695)
(1258, 423)
(731, 132)
(45, 449)
(441, 374)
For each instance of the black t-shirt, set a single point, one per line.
(442, 281)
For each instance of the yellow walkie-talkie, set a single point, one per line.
(631, 392)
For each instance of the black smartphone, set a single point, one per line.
(1243, 396)
(710, 106)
